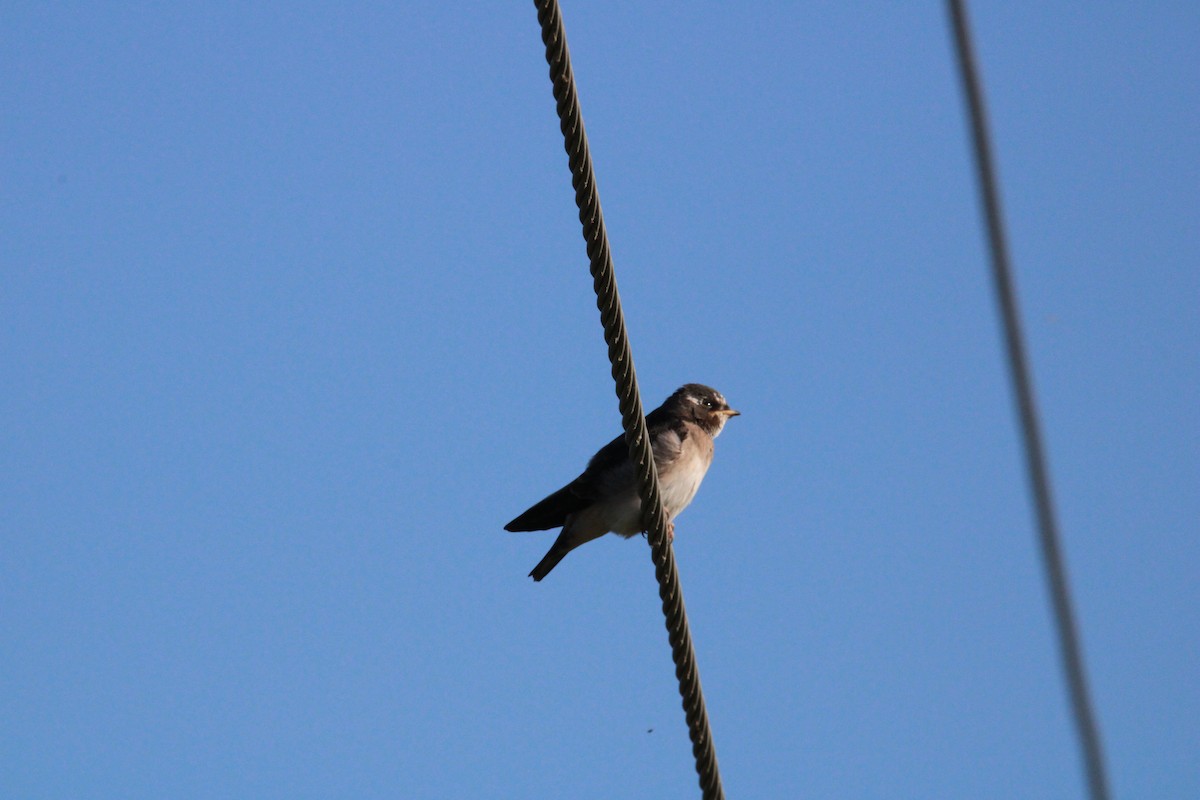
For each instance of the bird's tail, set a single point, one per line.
(550, 560)
(578, 530)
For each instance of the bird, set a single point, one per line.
(604, 498)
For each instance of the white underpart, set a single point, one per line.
(682, 485)
(678, 484)
(623, 513)
(683, 480)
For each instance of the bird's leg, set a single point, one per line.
(670, 531)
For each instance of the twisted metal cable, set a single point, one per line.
(1039, 477)
(654, 517)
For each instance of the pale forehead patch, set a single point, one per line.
(720, 398)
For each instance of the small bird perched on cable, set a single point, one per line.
(605, 499)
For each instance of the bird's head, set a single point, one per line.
(703, 405)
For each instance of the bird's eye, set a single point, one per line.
(708, 403)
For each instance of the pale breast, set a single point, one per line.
(681, 464)
(681, 478)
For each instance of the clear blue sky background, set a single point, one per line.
(296, 316)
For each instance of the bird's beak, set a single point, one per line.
(729, 412)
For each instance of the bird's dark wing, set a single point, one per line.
(608, 473)
(552, 512)
(610, 470)
(605, 473)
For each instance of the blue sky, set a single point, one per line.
(297, 316)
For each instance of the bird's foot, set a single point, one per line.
(670, 531)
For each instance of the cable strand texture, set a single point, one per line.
(633, 419)
(1052, 558)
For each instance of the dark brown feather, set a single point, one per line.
(551, 512)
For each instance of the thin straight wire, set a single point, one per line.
(1068, 634)
(587, 198)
